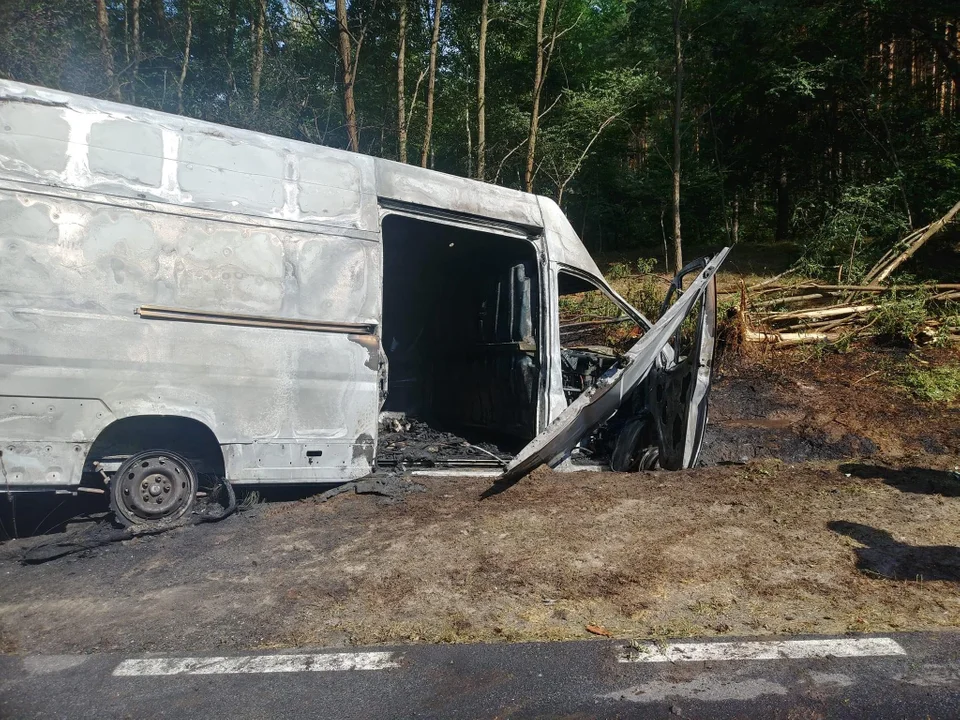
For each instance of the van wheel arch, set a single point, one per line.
(185, 436)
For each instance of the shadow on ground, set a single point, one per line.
(886, 557)
(908, 479)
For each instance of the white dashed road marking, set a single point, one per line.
(773, 650)
(256, 664)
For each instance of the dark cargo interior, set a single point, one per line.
(460, 330)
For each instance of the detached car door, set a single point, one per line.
(678, 350)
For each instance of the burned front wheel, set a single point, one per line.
(634, 448)
(153, 486)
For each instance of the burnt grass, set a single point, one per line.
(827, 502)
(796, 408)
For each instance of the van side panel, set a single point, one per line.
(105, 209)
(74, 356)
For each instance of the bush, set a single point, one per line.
(939, 384)
(639, 285)
(899, 319)
(854, 231)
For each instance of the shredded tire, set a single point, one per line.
(105, 533)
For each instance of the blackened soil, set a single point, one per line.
(800, 409)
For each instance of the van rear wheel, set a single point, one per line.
(153, 486)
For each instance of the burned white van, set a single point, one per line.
(180, 299)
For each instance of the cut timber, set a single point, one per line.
(820, 314)
(791, 299)
(814, 287)
(892, 252)
(881, 272)
(768, 281)
(786, 339)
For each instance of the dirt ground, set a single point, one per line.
(829, 505)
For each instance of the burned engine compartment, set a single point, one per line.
(581, 368)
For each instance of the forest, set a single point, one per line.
(827, 129)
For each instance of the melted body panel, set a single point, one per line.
(106, 209)
(599, 403)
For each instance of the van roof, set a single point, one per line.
(58, 138)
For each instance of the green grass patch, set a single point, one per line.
(935, 384)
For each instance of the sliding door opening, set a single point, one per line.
(460, 330)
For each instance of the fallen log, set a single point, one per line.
(822, 313)
(792, 299)
(787, 339)
(881, 272)
(771, 280)
(897, 247)
(865, 288)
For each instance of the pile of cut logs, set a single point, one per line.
(780, 314)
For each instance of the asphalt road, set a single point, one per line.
(589, 679)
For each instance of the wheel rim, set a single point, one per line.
(154, 487)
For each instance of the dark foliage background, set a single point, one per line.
(829, 126)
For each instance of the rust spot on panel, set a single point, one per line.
(371, 343)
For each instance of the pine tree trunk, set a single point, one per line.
(535, 112)
(186, 58)
(106, 50)
(256, 69)
(482, 94)
(431, 82)
(677, 110)
(783, 200)
(736, 218)
(466, 122)
(891, 62)
(229, 39)
(346, 57)
(135, 21)
(401, 89)
(160, 14)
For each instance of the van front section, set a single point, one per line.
(620, 392)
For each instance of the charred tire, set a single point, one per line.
(632, 450)
(153, 487)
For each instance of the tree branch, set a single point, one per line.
(586, 150)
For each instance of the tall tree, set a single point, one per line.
(229, 41)
(188, 37)
(256, 67)
(401, 89)
(160, 17)
(106, 50)
(135, 32)
(677, 112)
(348, 61)
(431, 82)
(482, 92)
(537, 88)
(541, 67)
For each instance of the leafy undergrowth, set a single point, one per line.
(932, 384)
